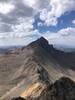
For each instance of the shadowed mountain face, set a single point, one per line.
(27, 71)
(66, 59)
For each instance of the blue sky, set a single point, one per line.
(64, 21)
(23, 21)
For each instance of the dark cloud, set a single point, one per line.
(5, 28)
(21, 10)
(4, 0)
(12, 18)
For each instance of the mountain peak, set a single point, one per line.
(40, 42)
(42, 39)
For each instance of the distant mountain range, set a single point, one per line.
(37, 72)
(64, 48)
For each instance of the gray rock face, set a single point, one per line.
(64, 89)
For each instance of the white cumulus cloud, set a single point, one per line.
(55, 9)
(65, 36)
(73, 22)
(6, 8)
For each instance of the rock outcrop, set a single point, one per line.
(62, 89)
(18, 98)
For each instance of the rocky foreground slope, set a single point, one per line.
(62, 89)
(31, 72)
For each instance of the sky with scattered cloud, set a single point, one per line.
(23, 21)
